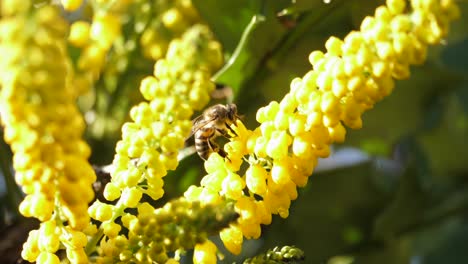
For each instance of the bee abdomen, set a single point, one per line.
(202, 144)
(203, 149)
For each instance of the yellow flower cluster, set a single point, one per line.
(44, 127)
(348, 79)
(178, 226)
(95, 38)
(180, 85)
(170, 19)
(113, 59)
(151, 142)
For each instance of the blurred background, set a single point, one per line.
(395, 192)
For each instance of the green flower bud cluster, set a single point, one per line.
(346, 80)
(286, 254)
(177, 226)
(44, 128)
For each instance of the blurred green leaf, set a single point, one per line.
(462, 96)
(229, 20)
(332, 214)
(407, 207)
(455, 56)
(434, 113)
(445, 145)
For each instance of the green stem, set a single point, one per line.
(91, 246)
(256, 20)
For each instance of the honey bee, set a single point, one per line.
(215, 121)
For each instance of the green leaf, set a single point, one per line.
(230, 21)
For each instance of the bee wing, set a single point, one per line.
(198, 123)
(197, 120)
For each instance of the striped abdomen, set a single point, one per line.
(203, 145)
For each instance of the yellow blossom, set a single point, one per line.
(205, 253)
(44, 127)
(345, 81)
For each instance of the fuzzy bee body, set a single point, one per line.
(215, 121)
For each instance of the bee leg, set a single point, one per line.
(215, 148)
(222, 132)
(232, 130)
(225, 134)
(223, 154)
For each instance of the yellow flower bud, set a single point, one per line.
(339, 88)
(111, 229)
(288, 104)
(255, 178)
(48, 242)
(324, 81)
(396, 6)
(111, 191)
(92, 58)
(278, 203)
(232, 186)
(128, 220)
(131, 197)
(105, 29)
(71, 5)
(232, 238)
(337, 133)
(301, 146)
(174, 20)
(264, 215)
(250, 230)
(214, 180)
(209, 196)
(277, 147)
(271, 110)
(329, 103)
(205, 253)
(315, 57)
(104, 211)
(47, 258)
(333, 46)
(280, 173)
(193, 193)
(315, 119)
(79, 33)
(352, 43)
(145, 209)
(297, 124)
(214, 163)
(281, 121)
(77, 256)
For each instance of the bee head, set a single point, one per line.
(231, 112)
